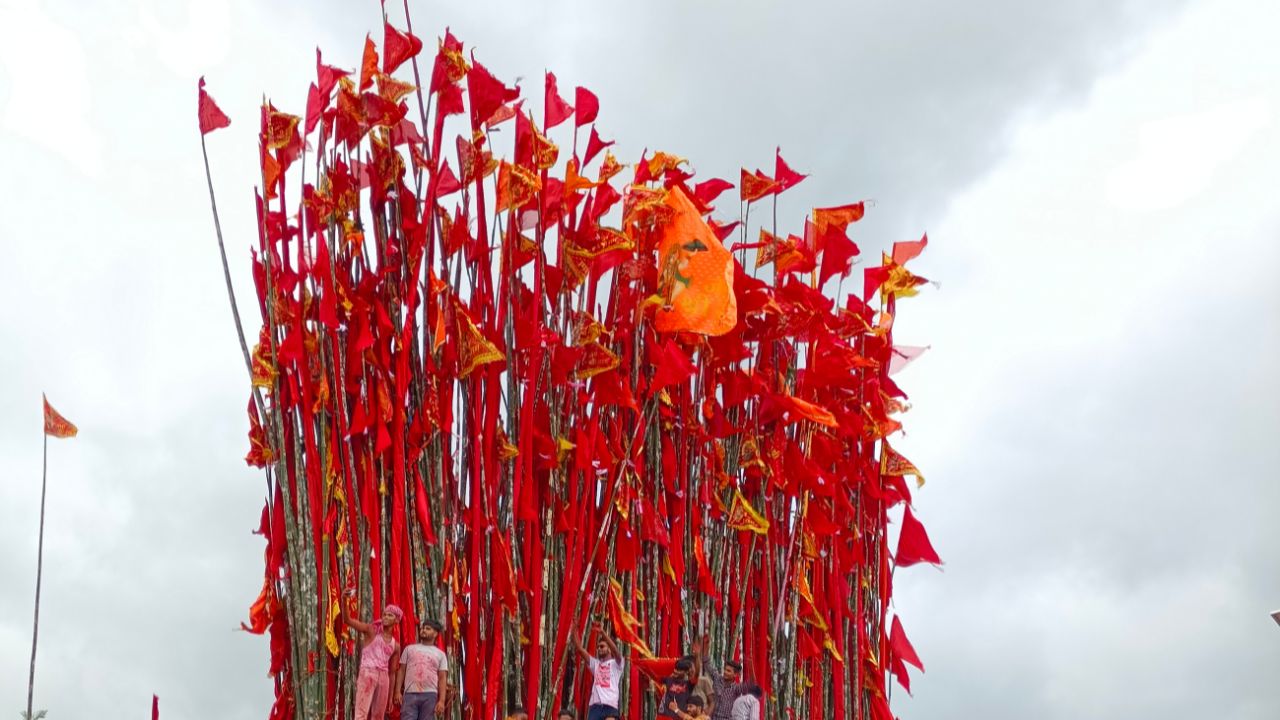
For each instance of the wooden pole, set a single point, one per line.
(35, 625)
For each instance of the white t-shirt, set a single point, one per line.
(746, 707)
(423, 664)
(606, 678)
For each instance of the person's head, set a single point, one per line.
(684, 668)
(429, 631)
(518, 713)
(602, 648)
(732, 670)
(565, 714)
(391, 616)
(693, 705)
(754, 690)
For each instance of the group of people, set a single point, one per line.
(693, 691)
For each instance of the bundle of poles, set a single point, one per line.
(528, 393)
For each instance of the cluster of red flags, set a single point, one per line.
(515, 389)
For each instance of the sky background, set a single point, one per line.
(1097, 417)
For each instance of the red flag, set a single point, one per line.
(55, 424)
(488, 93)
(155, 707)
(397, 47)
(707, 191)
(211, 116)
(594, 146)
(783, 174)
(554, 109)
(327, 76)
(913, 543)
(904, 251)
(837, 251)
(588, 106)
(671, 365)
(901, 646)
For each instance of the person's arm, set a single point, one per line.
(442, 689)
(577, 645)
(613, 648)
(398, 685)
(361, 627)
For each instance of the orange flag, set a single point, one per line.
(625, 625)
(696, 280)
(744, 517)
(55, 424)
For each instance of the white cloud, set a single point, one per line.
(50, 96)
(1180, 156)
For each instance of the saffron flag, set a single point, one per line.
(625, 625)
(55, 424)
(744, 517)
(897, 465)
(696, 274)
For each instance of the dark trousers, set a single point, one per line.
(600, 712)
(419, 706)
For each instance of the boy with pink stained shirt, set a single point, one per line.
(421, 685)
(373, 684)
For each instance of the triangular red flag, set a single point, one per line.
(671, 365)
(554, 110)
(783, 174)
(488, 93)
(901, 646)
(707, 191)
(594, 146)
(211, 116)
(837, 253)
(904, 251)
(397, 47)
(588, 106)
(913, 543)
(327, 76)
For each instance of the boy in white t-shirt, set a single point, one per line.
(606, 676)
(421, 686)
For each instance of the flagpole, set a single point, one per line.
(35, 625)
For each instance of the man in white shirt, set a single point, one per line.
(747, 706)
(606, 676)
(421, 686)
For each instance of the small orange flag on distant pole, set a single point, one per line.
(59, 427)
(55, 424)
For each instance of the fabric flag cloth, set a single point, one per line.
(696, 274)
(155, 707)
(744, 517)
(55, 424)
(211, 116)
(913, 543)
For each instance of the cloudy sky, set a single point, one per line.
(1098, 415)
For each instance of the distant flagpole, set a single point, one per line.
(35, 625)
(57, 426)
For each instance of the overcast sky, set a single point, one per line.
(1097, 418)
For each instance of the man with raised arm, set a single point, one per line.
(606, 675)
